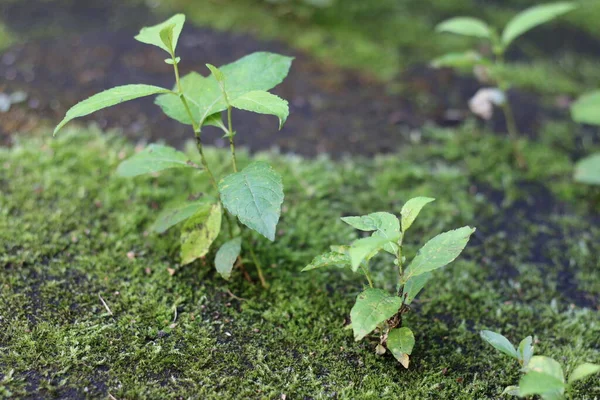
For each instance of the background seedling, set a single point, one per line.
(494, 67)
(377, 312)
(586, 110)
(543, 376)
(254, 194)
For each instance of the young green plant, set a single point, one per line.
(254, 195)
(586, 110)
(494, 67)
(377, 312)
(543, 376)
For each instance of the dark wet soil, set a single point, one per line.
(74, 50)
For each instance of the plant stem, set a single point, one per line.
(231, 145)
(195, 126)
(513, 133)
(367, 275)
(263, 281)
(511, 125)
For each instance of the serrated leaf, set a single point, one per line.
(586, 109)
(525, 350)
(583, 371)
(257, 71)
(161, 36)
(199, 232)
(108, 98)
(439, 251)
(254, 195)
(414, 285)
(465, 26)
(384, 224)
(587, 170)
(400, 342)
(262, 102)
(226, 256)
(462, 60)
(364, 249)
(499, 342)
(153, 158)
(539, 383)
(532, 17)
(330, 259)
(372, 307)
(411, 209)
(172, 216)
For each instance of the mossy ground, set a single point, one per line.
(73, 235)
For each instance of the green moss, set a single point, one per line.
(72, 235)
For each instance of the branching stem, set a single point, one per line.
(195, 126)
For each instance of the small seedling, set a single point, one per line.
(378, 313)
(494, 67)
(543, 376)
(586, 110)
(254, 195)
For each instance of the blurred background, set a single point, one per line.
(360, 83)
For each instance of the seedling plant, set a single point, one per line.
(378, 313)
(586, 110)
(543, 376)
(253, 194)
(494, 67)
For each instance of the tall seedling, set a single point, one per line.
(376, 312)
(254, 194)
(494, 67)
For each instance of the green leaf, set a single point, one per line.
(153, 158)
(500, 343)
(257, 71)
(226, 256)
(372, 307)
(465, 26)
(525, 350)
(216, 73)
(532, 17)
(164, 35)
(262, 102)
(384, 224)
(511, 391)
(330, 259)
(547, 366)
(414, 285)
(108, 98)
(539, 383)
(411, 210)
(439, 251)
(254, 195)
(199, 232)
(401, 342)
(364, 249)
(583, 371)
(172, 216)
(462, 60)
(587, 170)
(586, 110)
